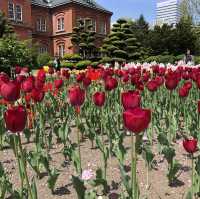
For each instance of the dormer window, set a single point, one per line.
(60, 24)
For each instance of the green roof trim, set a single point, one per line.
(55, 3)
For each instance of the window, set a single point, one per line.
(102, 27)
(18, 13)
(61, 50)
(60, 24)
(91, 22)
(41, 25)
(11, 11)
(43, 49)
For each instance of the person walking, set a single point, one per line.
(58, 64)
(188, 57)
(55, 63)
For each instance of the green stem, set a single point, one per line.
(79, 145)
(133, 166)
(192, 176)
(24, 168)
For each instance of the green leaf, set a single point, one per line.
(79, 187)
(52, 179)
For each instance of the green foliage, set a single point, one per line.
(65, 64)
(83, 39)
(14, 52)
(5, 28)
(161, 59)
(121, 45)
(72, 57)
(197, 59)
(43, 59)
(83, 64)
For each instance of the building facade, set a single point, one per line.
(168, 11)
(49, 23)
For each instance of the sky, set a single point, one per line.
(130, 8)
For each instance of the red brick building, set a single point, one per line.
(50, 22)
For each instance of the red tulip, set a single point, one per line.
(80, 77)
(183, 92)
(130, 99)
(15, 119)
(110, 83)
(171, 81)
(99, 98)
(76, 96)
(20, 78)
(58, 83)
(17, 69)
(41, 75)
(28, 84)
(86, 82)
(137, 120)
(152, 85)
(190, 145)
(66, 74)
(10, 91)
(37, 95)
(3, 78)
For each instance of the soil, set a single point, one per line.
(91, 158)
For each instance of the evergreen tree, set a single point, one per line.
(83, 39)
(5, 28)
(121, 44)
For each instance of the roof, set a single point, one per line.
(55, 3)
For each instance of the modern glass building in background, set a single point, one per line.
(168, 11)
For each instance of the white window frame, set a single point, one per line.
(92, 22)
(43, 49)
(60, 24)
(103, 28)
(9, 10)
(61, 49)
(41, 25)
(18, 12)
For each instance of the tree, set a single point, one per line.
(83, 39)
(14, 52)
(121, 45)
(5, 28)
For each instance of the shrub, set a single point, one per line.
(65, 64)
(197, 59)
(43, 59)
(106, 60)
(83, 64)
(94, 64)
(161, 59)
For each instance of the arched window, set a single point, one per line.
(61, 49)
(60, 23)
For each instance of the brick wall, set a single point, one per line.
(23, 29)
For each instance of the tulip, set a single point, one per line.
(190, 145)
(41, 75)
(110, 83)
(183, 92)
(15, 119)
(76, 96)
(171, 82)
(86, 82)
(66, 74)
(28, 85)
(99, 98)
(58, 83)
(10, 91)
(17, 69)
(137, 120)
(80, 77)
(37, 95)
(152, 85)
(130, 99)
